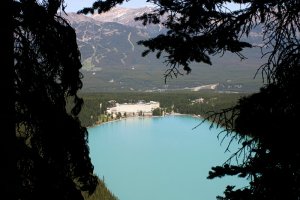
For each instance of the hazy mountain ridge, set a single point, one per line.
(112, 59)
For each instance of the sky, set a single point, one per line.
(75, 5)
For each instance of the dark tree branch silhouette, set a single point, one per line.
(265, 123)
(52, 154)
(7, 113)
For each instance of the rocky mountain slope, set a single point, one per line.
(112, 59)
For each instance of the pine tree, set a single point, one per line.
(52, 154)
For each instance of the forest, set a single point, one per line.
(179, 102)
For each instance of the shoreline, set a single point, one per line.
(173, 114)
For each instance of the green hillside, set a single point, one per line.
(112, 61)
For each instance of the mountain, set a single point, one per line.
(112, 59)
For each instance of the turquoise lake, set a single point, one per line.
(160, 158)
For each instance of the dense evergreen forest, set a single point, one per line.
(184, 102)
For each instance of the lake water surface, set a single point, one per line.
(159, 158)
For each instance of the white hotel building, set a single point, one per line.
(133, 109)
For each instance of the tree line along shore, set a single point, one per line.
(94, 110)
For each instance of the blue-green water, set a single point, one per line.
(159, 158)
